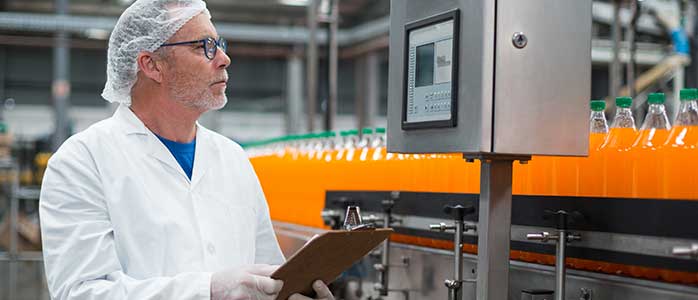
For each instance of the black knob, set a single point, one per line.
(458, 212)
(564, 218)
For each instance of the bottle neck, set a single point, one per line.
(656, 118)
(688, 114)
(624, 118)
(365, 140)
(350, 141)
(377, 140)
(597, 122)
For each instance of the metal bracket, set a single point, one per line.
(458, 213)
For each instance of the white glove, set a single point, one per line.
(321, 289)
(248, 282)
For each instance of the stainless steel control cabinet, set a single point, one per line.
(506, 77)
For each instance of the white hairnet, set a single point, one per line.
(143, 26)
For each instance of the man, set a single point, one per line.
(148, 204)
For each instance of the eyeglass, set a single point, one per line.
(210, 44)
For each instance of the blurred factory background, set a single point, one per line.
(298, 67)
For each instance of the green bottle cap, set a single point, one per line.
(3, 127)
(380, 130)
(353, 132)
(331, 134)
(655, 98)
(624, 102)
(598, 105)
(366, 131)
(344, 133)
(688, 94)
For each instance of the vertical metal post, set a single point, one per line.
(372, 88)
(311, 64)
(385, 259)
(360, 91)
(14, 218)
(494, 230)
(3, 66)
(560, 265)
(294, 93)
(457, 292)
(332, 61)
(61, 80)
(632, 47)
(367, 89)
(615, 71)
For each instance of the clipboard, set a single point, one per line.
(325, 258)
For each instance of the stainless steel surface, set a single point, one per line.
(384, 272)
(476, 51)
(383, 269)
(507, 85)
(494, 222)
(423, 277)
(311, 65)
(542, 95)
(560, 264)
(455, 286)
(624, 243)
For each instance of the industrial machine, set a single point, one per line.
(480, 78)
(498, 82)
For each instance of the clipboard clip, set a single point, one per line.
(352, 220)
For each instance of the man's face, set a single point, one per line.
(189, 77)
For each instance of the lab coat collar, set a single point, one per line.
(131, 124)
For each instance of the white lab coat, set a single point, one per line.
(121, 220)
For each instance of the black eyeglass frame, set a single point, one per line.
(220, 43)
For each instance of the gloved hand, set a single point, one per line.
(248, 282)
(321, 289)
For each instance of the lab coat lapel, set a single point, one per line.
(157, 150)
(203, 155)
(131, 125)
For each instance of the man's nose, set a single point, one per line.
(222, 58)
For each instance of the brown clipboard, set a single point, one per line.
(325, 258)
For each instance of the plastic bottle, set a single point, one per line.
(379, 176)
(340, 169)
(592, 175)
(680, 151)
(615, 149)
(365, 144)
(647, 162)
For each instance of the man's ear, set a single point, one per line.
(151, 67)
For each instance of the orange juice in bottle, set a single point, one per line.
(379, 175)
(541, 175)
(647, 162)
(616, 150)
(680, 151)
(592, 175)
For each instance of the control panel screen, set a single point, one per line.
(425, 65)
(430, 66)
